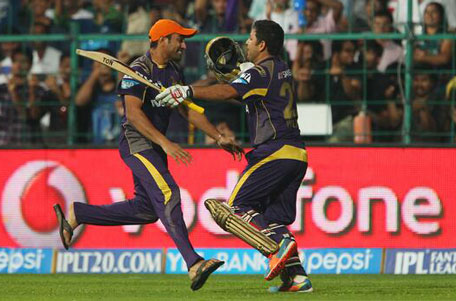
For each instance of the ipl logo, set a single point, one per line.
(27, 202)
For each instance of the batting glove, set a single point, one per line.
(174, 95)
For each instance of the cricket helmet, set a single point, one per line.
(223, 57)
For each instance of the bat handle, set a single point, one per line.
(193, 106)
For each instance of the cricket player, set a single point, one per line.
(144, 148)
(265, 195)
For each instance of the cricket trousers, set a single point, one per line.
(265, 194)
(156, 197)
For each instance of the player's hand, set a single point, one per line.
(174, 95)
(177, 152)
(246, 66)
(231, 146)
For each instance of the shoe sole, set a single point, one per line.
(274, 272)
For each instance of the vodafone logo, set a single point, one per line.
(27, 201)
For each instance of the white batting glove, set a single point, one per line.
(246, 66)
(174, 95)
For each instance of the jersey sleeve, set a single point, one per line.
(130, 86)
(251, 84)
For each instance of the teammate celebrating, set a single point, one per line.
(144, 148)
(265, 195)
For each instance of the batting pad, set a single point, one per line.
(230, 222)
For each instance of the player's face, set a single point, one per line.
(252, 46)
(176, 47)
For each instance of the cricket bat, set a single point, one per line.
(117, 65)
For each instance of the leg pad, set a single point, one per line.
(224, 216)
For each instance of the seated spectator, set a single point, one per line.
(428, 107)
(39, 8)
(66, 11)
(363, 23)
(344, 91)
(308, 71)
(381, 96)
(97, 95)
(138, 22)
(6, 51)
(319, 23)
(400, 11)
(107, 16)
(59, 85)
(436, 53)
(45, 58)
(392, 52)
(21, 102)
(216, 16)
(280, 12)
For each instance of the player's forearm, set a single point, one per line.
(215, 93)
(201, 122)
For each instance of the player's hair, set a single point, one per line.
(154, 44)
(271, 33)
(374, 46)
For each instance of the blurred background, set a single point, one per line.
(366, 71)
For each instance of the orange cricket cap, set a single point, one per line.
(165, 27)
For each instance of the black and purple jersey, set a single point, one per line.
(267, 90)
(165, 75)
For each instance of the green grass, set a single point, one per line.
(221, 287)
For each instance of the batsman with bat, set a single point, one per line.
(144, 148)
(263, 201)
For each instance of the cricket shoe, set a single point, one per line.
(277, 260)
(303, 286)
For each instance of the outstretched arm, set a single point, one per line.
(175, 95)
(201, 122)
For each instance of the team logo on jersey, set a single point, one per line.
(128, 82)
(244, 78)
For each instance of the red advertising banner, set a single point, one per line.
(351, 197)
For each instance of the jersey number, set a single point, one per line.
(289, 113)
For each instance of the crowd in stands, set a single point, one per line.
(352, 76)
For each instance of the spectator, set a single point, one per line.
(392, 52)
(221, 17)
(364, 22)
(436, 53)
(400, 10)
(13, 127)
(280, 12)
(380, 94)
(107, 16)
(20, 101)
(45, 58)
(70, 10)
(59, 85)
(344, 90)
(138, 21)
(426, 108)
(39, 8)
(319, 23)
(7, 49)
(308, 71)
(98, 96)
